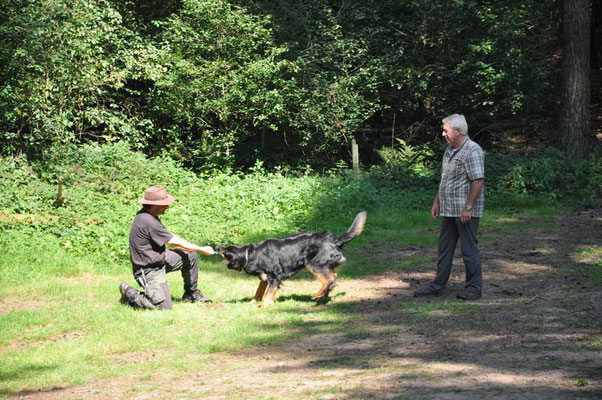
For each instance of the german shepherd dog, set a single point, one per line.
(275, 260)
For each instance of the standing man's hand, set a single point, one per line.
(465, 216)
(435, 207)
(475, 189)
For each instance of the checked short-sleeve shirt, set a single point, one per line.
(459, 168)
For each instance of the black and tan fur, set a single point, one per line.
(275, 260)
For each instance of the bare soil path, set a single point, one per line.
(535, 334)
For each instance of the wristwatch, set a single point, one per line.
(468, 207)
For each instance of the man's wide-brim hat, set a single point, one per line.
(156, 195)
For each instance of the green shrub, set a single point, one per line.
(406, 165)
(101, 186)
(548, 172)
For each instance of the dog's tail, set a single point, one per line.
(356, 228)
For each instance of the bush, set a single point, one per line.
(101, 186)
(407, 165)
(548, 172)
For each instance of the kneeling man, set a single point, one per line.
(151, 261)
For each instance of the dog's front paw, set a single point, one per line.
(266, 304)
(253, 301)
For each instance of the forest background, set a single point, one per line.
(220, 84)
(245, 110)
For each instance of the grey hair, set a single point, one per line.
(457, 121)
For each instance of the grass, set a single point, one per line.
(79, 330)
(61, 323)
(588, 259)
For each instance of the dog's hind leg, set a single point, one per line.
(327, 281)
(260, 291)
(331, 285)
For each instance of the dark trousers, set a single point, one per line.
(453, 229)
(154, 280)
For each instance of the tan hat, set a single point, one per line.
(156, 195)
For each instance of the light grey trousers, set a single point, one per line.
(453, 229)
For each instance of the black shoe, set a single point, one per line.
(466, 295)
(426, 292)
(196, 297)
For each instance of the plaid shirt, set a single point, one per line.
(459, 168)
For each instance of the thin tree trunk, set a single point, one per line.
(575, 128)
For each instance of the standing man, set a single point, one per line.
(460, 200)
(151, 261)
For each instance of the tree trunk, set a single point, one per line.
(575, 112)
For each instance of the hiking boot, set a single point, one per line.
(195, 297)
(466, 295)
(426, 292)
(124, 288)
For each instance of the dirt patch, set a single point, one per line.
(11, 304)
(535, 334)
(20, 344)
(384, 252)
(135, 357)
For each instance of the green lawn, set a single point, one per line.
(60, 268)
(61, 322)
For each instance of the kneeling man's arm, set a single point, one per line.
(181, 244)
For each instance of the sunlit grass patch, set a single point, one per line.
(68, 342)
(451, 306)
(590, 250)
(588, 264)
(358, 332)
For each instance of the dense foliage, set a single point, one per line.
(217, 83)
(99, 197)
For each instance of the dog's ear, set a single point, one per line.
(234, 255)
(228, 252)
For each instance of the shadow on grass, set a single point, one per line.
(514, 341)
(29, 370)
(293, 297)
(407, 338)
(36, 392)
(26, 372)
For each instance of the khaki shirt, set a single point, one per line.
(458, 169)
